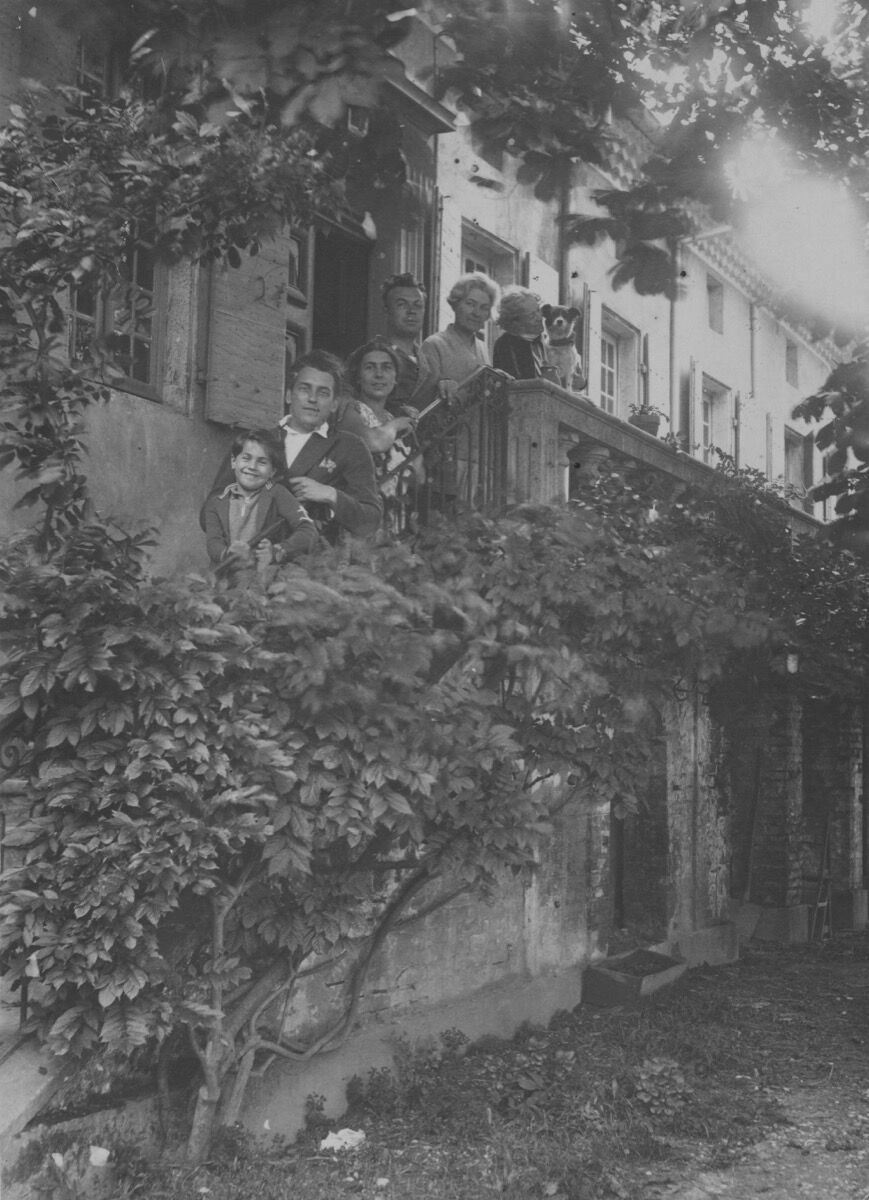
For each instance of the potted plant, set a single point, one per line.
(647, 417)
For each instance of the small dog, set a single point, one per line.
(561, 327)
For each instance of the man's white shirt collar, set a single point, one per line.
(323, 429)
(294, 440)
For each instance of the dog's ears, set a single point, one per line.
(574, 314)
(546, 311)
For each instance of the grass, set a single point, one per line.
(590, 1107)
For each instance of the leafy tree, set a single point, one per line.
(232, 788)
(226, 788)
(713, 73)
(194, 150)
(843, 401)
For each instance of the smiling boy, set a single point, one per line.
(255, 521)
(328, 469)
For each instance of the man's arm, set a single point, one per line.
(351, 491)
(302, 535)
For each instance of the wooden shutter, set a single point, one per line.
(247, 339)
(808, 470)
(585, 349)
(694, 397)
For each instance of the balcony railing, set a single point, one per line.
(503, 442)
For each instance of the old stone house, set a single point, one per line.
(728, 842)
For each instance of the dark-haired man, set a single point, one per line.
(404, 301)
(328, 469)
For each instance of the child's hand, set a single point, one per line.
(264, 554)
(238, 553)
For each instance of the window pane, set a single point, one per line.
(715, 304)
(131, 316)
(83, 299)
(81, 334)
(792, 370)
(608, 373)
(141, 364)
(706, 435)
(143, 274)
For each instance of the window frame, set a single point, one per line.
(715, 303)
(799, 449)
(96, 73)
(498, 259)
(627, 340)
(717, 415)
(828, 504)
(114, 313)
(609, 349)
(792, 362)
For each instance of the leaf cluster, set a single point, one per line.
(843, 401)
(232, 788)
(546, 91)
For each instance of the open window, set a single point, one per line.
(799, 468)
(716, 419)
(482, 251)
(619, 364)
(828, 507)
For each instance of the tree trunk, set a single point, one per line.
(207, 1103)
(235, 1088)
(204, 1121)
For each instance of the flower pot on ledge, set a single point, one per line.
(647, 420)
(626, 978)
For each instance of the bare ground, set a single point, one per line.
(747, 1080)
(807, 1010)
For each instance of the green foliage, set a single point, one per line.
(545, 87)
(233, 788)
(843, 402)
(230, 788)
(536, 91)
(205, 162)
(660, 1089)
(307, 60)
(32, 1158)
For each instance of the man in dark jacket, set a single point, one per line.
(404, 300)
(329, 470)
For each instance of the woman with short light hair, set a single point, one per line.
(465, 283)
(453, 354)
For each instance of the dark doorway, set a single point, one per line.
(640, 859)
(340, 291)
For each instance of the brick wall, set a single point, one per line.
(833, 765)
(777, 867)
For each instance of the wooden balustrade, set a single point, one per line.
(503, 442)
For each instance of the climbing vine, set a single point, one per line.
(232, 790)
